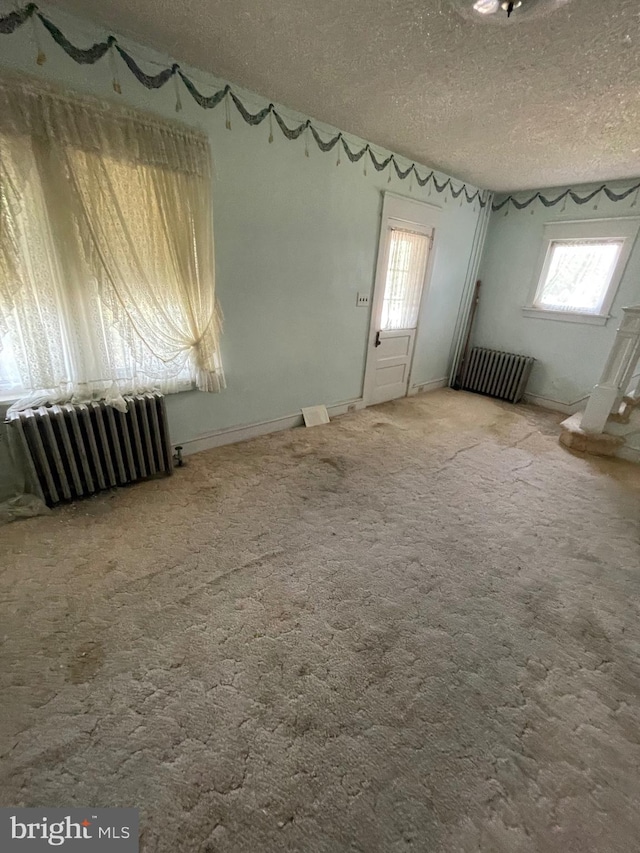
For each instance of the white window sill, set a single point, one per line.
(566, 316)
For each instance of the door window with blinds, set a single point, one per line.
(406, 269)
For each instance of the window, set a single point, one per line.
(406, 269)
(580, 268)
(578, 275)
(106, 251)
(11, 384)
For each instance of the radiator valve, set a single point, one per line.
(177, 456)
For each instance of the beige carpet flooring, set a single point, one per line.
(413, 629)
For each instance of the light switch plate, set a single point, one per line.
(363, 300)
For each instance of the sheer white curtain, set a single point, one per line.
(106, 251)
(406, 269)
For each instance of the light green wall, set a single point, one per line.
(296, 239)
(570, 355)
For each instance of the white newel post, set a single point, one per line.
(621, 364)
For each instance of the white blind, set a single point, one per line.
(408, 252)
(578, 275)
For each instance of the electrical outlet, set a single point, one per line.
(363, 300)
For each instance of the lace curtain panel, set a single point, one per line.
(106, 251)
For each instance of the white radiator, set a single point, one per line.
(77, 450)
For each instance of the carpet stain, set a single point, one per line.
(338, 464)
(86, 662)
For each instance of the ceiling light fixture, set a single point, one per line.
(486, 7)
(492, 11)
(490, 7)
(510, 6)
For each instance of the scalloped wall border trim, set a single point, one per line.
(11, 22)
(611, 194)
(88, 56)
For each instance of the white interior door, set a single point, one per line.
(403, 262)
(392, 364)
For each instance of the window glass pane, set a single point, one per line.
(406, 269)
(10, 380)
(578, 275)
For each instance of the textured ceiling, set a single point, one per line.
(538, 101)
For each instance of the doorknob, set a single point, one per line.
(378, 342)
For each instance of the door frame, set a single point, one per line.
(410, 211)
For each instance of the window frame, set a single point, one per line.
(624, 229)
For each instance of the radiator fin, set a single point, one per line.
(497, 374)
(77, 450)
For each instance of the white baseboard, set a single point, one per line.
(231, 435)
(234, 434)
(433, 385)
(556, 405)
